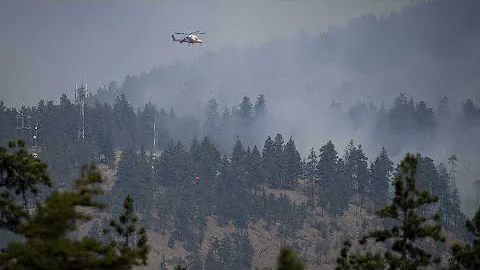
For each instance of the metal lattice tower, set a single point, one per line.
(23, 123)
(81, 92)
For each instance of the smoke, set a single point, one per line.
(371, 60)
(426, 50)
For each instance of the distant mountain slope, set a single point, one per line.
(427, 49)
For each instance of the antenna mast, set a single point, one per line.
(81, 92)
(21, 125)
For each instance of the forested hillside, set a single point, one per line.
(190, 187)
(405, 125)
(296, 142)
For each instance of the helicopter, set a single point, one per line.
(190, 38)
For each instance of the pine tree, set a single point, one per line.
(245, 111)
(287, 260)
(260, 106)
(126, 228)
(238, 158)
(337, 197)
(362, 174)
(127, 178)
(458, 216)
(367, 261)
(404, 254)
(380, 171)
(357, 172)
(292, 164)
(311, 170)
(444, 194)
(467, 256)
(268, 160)
(256, 174)
(278, 173)
(21, 174)
(327, 170)
(47, 242)
(213, 119)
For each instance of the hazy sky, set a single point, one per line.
(48, 46)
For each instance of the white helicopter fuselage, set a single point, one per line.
(191, 39)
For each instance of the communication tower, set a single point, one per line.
(81, 92)
(23, 121)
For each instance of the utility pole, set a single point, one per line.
(35, 148)
(154, 135)
(35, 137)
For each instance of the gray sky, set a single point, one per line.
(48, 46)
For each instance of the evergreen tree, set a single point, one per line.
(127, 179)
(21, 174)
(458, 216)
(47, 243)
(260, 106)
(405, 253)
(311, 171)
(238, 158)
(268, 160)
(134, 240)
(380, 171)
(124, 122)
(357, 172)
(245, 111)
(292, 164)
(212, 119)
(337, 197)
(255, 170)
(278, 172)
(287, 260)
(467, 256)
(327, 169)
(445, 196)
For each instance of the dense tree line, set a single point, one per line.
(110, 127)
(46, 236)
(186, 184)
(165, 186)
(414, 122)
(47, 230)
